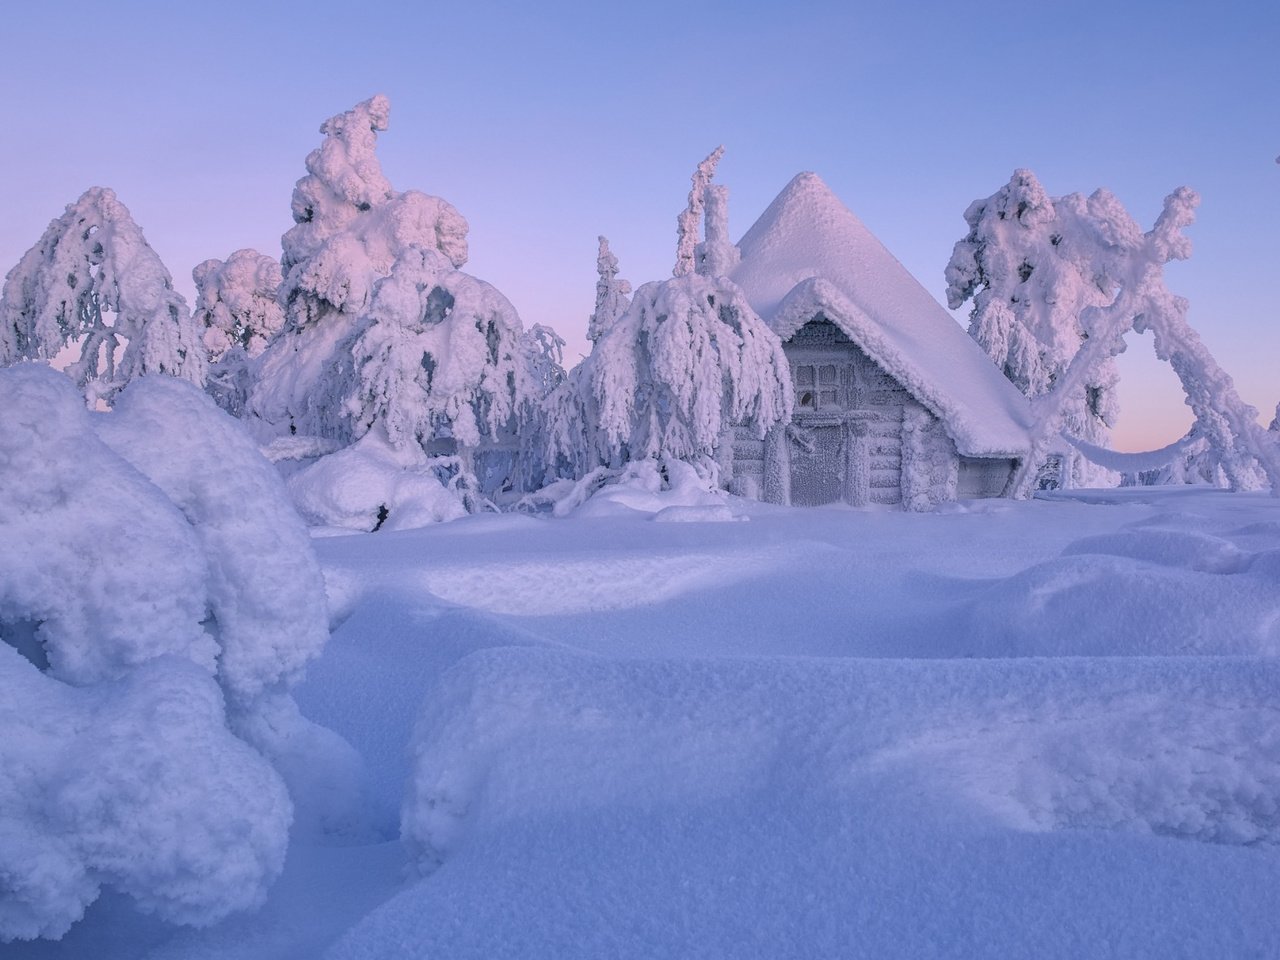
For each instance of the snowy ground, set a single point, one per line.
(1046, 729)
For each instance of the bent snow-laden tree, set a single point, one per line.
(1138, 300)
(92, 281)
(688, 360)
(1032, 264)
(238, 310)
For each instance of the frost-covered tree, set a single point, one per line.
(418, 373)
(238, 310)
(350, 229)
(439, 357)
(671, 376)
(690, 359)
(93, 282)
(1032, 264)
(571, 440)
(1138, 300)
(612, 294)
(690, 219)
(158, 598)
(236, 303)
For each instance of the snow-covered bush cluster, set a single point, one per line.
(158, 598)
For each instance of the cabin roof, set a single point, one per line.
(808, 255)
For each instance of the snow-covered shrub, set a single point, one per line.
(373, 485)
(164, 596)
(93, 281)
(133, 784)
(238, 310)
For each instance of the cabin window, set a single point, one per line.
(817, 386)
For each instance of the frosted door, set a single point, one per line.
(817, 467)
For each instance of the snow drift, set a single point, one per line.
(160, 596)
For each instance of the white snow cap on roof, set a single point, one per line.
(808, 254)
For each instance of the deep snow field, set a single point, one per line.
(1044, 729)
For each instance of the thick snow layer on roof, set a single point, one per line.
(807, 233)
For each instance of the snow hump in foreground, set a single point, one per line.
(807, 234)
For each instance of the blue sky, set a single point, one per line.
(547, 124)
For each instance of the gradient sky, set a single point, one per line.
(546, 124)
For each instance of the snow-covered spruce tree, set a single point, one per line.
(238, 310)
(350, 228)
(613, 295)
(689, 360)
(389, 353)
(1032, 264)
(92, 281)
(158, 598)
(571, 440)
(1139, 301)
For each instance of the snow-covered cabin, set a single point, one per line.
(894, 402)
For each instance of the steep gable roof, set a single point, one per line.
(808, 254)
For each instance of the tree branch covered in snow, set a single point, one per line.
(236, 303)
(439, 356)
(93, 281)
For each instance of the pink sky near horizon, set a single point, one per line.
(547, 126)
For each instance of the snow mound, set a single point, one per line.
(1162, 587)
(266, 591)
(371, 485)
(1185, 748)
(647, 486)
(70, 501)
(711, 513)
(1200, 769)
(161, 596)
(136, 785)
(1171, 548)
